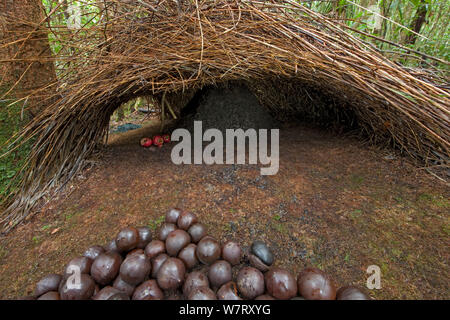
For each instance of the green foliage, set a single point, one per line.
(393, 20)
(154, 224)
(10, 165)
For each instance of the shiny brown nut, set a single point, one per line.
(262, 251)
(149, 290)
(175, 295)
(135, 269)
(51, 295)
(314, 284)
(145, 236)
(193, 280)
(352, 293)
(105, 293)
(112, 246)
(208, 250)
(264, 297)
(165, 229)
(77, 290)
(219, 273)
(257, 263)
(186, 220)
(48, 283)
(231, 252)
(250, 282)
(197, 231)
(127, 239)
(93, 252)
(202, 293)
(154, 248)
(171, 274)
(96, 290)
(280, 283)
(172, 215)
(188, 256)
(136, 251)
(123, 286)
(157, 262)
(78, 264)
(106, 267)
(177, 240)
(119, 296)
(228, 291)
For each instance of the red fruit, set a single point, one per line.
(158, 141)
(146, 142)
(166, 138)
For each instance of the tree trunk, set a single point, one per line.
(27, 59)
(417, 23)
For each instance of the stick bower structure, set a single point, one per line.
(293, 59)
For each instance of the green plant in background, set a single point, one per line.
(421, 25)
(154, 224)
(11, 121)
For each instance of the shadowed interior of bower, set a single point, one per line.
(244, 105)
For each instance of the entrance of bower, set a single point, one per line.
(236, 105)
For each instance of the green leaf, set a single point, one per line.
(10, 173)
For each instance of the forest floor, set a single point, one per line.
(335, 203)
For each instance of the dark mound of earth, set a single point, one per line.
(234, 107)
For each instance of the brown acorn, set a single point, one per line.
(219, 273)
(228, 291)
(127, 239)
(48, 283)
(202, 293)
(81, 264)
(93, 252)
(197, 231)
(154, 248)
(314, 284)
(352, 293)
(171, 274)
(105, 293)
(193, 280)
(123, 286)
(250, 282)
(149, 290)
(188, 256)
(280, 283)
(231, 252)
(208, 250)
(135, 269)
(145, 236)
(51, 295)
(106, 267)
(186, 220)
(177, 240)
(157, 262)
(165, 229)
(81, 291)
(172, 215)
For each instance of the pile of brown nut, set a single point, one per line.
(184, 263)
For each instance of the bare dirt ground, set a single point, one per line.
(335, 204)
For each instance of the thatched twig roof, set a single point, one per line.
(148, 47)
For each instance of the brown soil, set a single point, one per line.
(335, 204)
